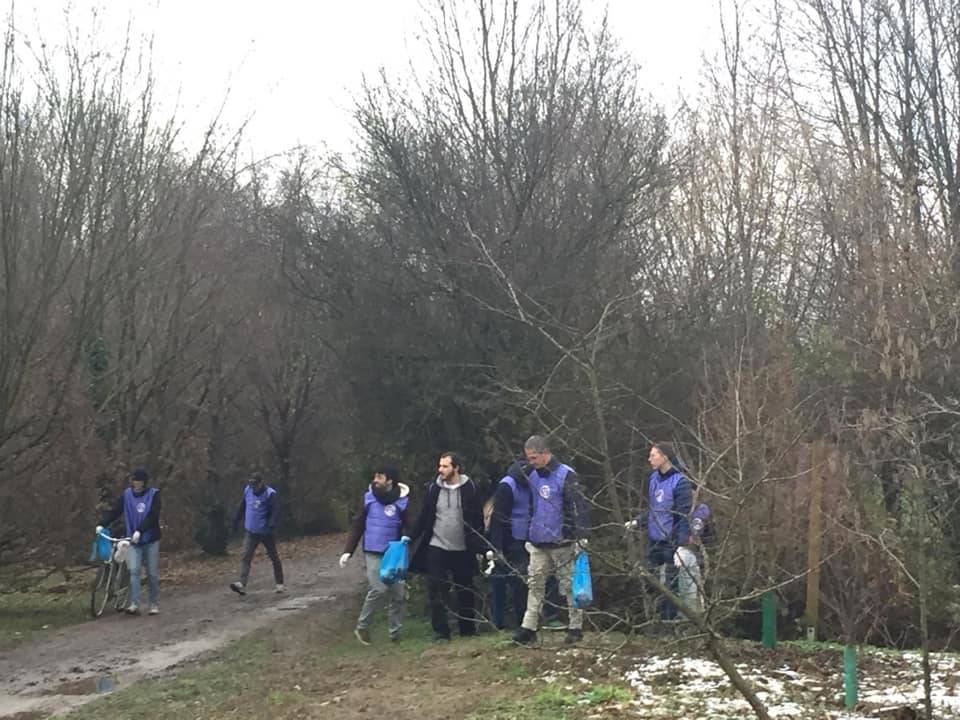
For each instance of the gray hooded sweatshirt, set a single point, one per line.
(448, 526)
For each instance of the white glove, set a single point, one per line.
(684, 558)
(135, 538)
(99, 529)
(343, 559)
(489, 555)
(583, 542)
(631, 524)
(405, 539)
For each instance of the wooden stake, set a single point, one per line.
(818, 467)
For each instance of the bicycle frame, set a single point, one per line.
(112, 580)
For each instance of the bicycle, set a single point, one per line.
(113, 578)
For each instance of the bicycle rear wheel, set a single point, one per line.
(100, 590)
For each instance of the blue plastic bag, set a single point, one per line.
(102, 547)
(582, 584)
(394, 565)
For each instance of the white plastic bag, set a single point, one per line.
(120, 554)
(689, 586)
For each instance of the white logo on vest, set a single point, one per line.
(256, 504)
(141, 507)
(545, 492)
(659, 495)
(390, 510)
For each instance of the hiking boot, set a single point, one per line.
(279, 588)
(238, 588)
(132, 609)
(524, 637)
(154, 609)
(573, 637)
(363, 635)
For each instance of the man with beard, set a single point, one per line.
(382, 519)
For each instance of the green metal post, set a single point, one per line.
(769, 606)
(850, 676)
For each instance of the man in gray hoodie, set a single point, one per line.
(450, 533)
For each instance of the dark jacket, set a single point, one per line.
(472, 504)
(386, 497)
(150, 522)
(576, 514)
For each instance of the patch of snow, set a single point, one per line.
(673, 685)
(787, 709)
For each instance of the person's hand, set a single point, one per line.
(99, 529)
(343, 560)
(135, 538)
(631, 525)
(489, 554)
(405, 539)
(583, 542)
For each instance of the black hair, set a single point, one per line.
(667, 450)
(455, 459)
(390, 471)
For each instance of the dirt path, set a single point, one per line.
(64, 670)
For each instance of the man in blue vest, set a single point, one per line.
(382, 519)
(259, 512)
(559, 524)
(140, 507)
(667, 521)
(509, 529)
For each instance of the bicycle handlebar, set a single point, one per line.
(105, 536)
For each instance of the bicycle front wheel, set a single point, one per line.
(100, 590)
(121, 586)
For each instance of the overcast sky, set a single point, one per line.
(292, 66)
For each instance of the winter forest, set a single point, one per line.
(522, 242)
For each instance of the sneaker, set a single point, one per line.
(524, 636)
(154, 609)
(238, 588)
(363, 635)
(132, 609)
(573, 637)
(279, 588)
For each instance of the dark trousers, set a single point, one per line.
(661, 553)
(553, 600)
(510, 576)
(446, 570)
(250, 547)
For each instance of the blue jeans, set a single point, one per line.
(144, 554)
